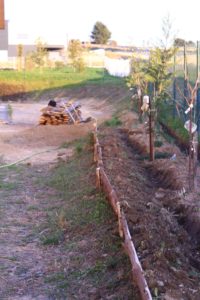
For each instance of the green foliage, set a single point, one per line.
(178, 126)
(113, 122)
(79, 148)
(53, 238)
(8, 186)
(138, 76)
(175, 123)
(53, 78)
(158, 143)
(158, 70)
(100, 33)
(39, 56)
(75, 51)
(79, 64)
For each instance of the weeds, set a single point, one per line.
(8, 186)
(52, 238)
(113, 122)
(82, 205)
(26, 81)
(158, 143)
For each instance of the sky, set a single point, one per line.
(131, 22)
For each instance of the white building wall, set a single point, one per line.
(3, 55)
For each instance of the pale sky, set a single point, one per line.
(130, 22)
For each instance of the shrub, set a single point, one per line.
(113, 122)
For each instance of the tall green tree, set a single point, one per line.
(100, 33)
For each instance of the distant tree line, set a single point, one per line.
(178, 42)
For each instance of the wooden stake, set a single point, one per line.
(121, 232)
(98, 182)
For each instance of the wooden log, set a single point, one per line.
(109, 191)
(54, 118)
(138, 273)
(42, 122)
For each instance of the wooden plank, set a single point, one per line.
(138, 273)
(109, 191)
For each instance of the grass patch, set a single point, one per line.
(13, 82)
(81, 203)
(158, 143)
(115, 121)
(175, 123)
(94, 273)
(52, 238)
(32, 208)
(8, 186)
(79, 146)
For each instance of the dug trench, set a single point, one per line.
(184, 145)
(150, 195)
(172, 173)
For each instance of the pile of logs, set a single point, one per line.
(60, 112)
